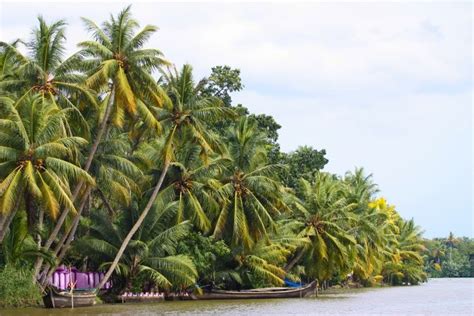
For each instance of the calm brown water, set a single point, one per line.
(437, 297)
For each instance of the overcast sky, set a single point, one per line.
(385, 86)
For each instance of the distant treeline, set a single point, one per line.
(449, 257)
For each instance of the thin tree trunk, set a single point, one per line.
(295, 260)
(62, 218)
(40, 226)
(106, 202)
(6, 221)
(30, 211)
(103, 126)
(66, 240)
(3, 219)
(135, 227)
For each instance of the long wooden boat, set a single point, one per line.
(59, 299)
(278, 292)
(179, 297)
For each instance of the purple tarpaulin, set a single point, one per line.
(63, 277)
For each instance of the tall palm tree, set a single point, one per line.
(370, 228)
(451, 241)
(324, 217)
(251, 195)
(406, 263)
(117, 64)
(119, 69)
(42, 70)
(186, 119)
(36, 159)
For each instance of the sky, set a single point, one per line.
(386, 86)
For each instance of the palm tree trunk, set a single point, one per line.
(106, 202)
(62, 217)
(5, 221)
(295, 260)
(135, 227)
(40, 226)
(30, 211)
(63, 244)
(103, 126)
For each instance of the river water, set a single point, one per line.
(437, 297)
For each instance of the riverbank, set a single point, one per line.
(436, 297)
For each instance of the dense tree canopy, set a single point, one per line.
(114, 159)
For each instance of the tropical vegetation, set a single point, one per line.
(449, 257)
(114, 159)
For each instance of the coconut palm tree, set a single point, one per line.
(186, 119)
(370, 228)
(251, 195)
(36, 159)
(374, 237)
(406, 262)
(42, 70)
(324, 217)
(193, 185)
(117, 64)
(119, 69)
(361, 188)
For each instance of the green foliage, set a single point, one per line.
(151, 255)
(302, 163)
(19, 249)
(405, 265)
(324, 217)
(208, 255)
(233, 211)
(449, 257)
(37, 157)
(222, 82)
(251, 195)
(16, 288)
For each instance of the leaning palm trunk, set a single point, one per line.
(135, 227)
(6, 219)
(40, 227)
(63, 244)
(105, 201)
(62, 217)
(295, 260)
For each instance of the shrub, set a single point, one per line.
(16, 288)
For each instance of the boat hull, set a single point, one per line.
(257, 294)
(140, 299)
(55, 299)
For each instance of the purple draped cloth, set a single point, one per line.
(63, 278)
